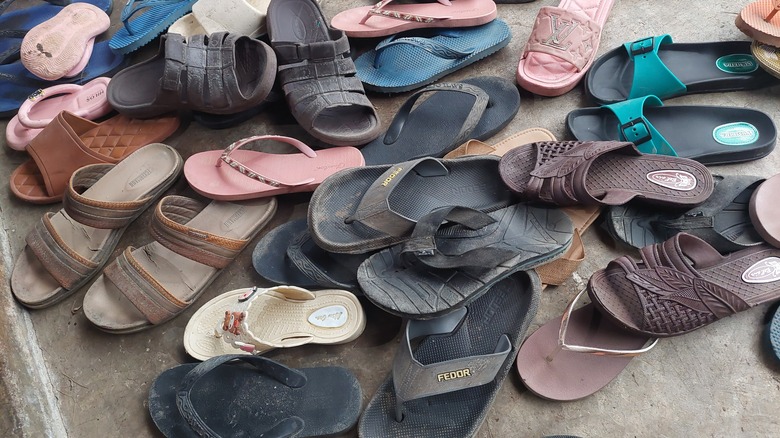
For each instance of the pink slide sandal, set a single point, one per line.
(562, 46)
(88, 101)
(252, 174)
(380, 20)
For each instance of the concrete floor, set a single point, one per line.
(714, 382)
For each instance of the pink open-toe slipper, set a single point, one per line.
(562, 46)
(88, 101)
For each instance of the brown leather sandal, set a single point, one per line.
(147, 286)
(70, 142)
(66, 249)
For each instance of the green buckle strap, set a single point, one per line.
(634, 127)
(651, 76)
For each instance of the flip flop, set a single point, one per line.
(70, 142)
(255, 321)
(360, 210)
(658, 66)
(684, 284)
(440, 270)
(764, 210)
(406, 62)
(476, 147)
(476, 108)
(288, 255)
(268, 399)
(450, 380)
(66, 249)
(240, 17)
(384, 19)
(62, 45)
(574, 356)
(87, 101)
(723, 220)
(252, 174)
(768, 57)
(17, 83)
(759, 21)
(193, 243)
(708, 134)
(602, 173)
(772, 333)
(563, 43)
(157, 16)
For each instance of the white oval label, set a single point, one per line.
(329, 317)
(765, 271)
(673, 179)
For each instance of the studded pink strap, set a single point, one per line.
(378, 9)
(246, 171)
(566, 34)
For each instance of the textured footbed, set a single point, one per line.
(568, 375)
(507, 309)
(403, 67)
(275, 320)
(147, 24)
(471, 182)
(151, 171)
(536, 235)
(107, 307)
(54, 48)
(223, 13)
(772, 334)
(239, 400)
(767, 57)
(694, 64)
(751, 20)
(688, 129)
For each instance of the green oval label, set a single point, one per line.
(738, 63)
(735, 134)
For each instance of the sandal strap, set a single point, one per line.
(96, 213)
(40, 96)
(169, 229)
(310, 269)
(63, 263)
(429, 45)
(250, 173)
(378, 9)
(565, 34)
(651, 75)
(413, 380)
(134, 6)
(635, 127)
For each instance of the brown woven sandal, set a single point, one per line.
(147, 286)
(67, 248)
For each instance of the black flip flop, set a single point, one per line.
(225, 121)
(476, 108)
(269, 399)
(287, 255)
(363, 209)
(441, 269)
(707, 134)
(445, 387)
(657, 66)
(723, 220)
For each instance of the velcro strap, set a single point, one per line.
(63, 263)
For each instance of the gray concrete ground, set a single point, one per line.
(61, 375)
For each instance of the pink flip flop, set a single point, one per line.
(251, 174)
(562, 46)
(88, 101)
(378, 20)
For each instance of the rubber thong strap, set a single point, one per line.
(378, 9)
(651, 75)
(307, 266)
(428, 44)
(413, 380)
(635, 127)
(282, 374)
(249, 173)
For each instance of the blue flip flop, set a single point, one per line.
(407, 61)
(772, 332)
(157, 16)
(17, 83)
(16, 24)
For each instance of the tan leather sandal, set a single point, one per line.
(150, 285)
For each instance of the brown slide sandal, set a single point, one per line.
(764, 210)
(70, 142)
(684, 284)
(67, 248)
(568, 173)
(575, 361)
(147, 286)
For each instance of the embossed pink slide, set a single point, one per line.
(562, 46)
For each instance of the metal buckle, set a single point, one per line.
(631, 124)
(642, 48)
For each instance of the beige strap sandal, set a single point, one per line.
(150, 285)
(256, 320)
(66, 249)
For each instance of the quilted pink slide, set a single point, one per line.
(234, 175)
(562, 46)
(88, 101)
